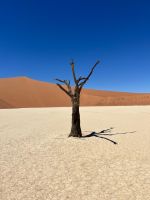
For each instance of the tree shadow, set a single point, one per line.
(106, 132)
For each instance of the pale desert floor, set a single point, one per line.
(39, 162)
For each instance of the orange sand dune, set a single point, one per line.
(25, 92)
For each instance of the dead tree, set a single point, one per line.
(74, 94)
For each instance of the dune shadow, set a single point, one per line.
(103, 133)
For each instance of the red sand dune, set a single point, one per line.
(25, 92)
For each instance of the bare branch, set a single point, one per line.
(87, 78)
(62, 81)
(67, 83)
(62, 88)
(73, 72)
(80, 79)
(69, 87)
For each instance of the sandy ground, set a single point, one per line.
(39, 162)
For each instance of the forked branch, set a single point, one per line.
(80, 79)
(62, 88)
(87, 78)
(67, 83)
(79, 83)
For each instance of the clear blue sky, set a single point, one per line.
(38, 38)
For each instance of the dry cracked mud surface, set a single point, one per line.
(39, 162)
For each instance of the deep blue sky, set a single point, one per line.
(38, 38)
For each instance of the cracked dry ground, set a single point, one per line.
(39, 162)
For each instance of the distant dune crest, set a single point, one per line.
(23, 92)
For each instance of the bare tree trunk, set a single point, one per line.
(75, 98)
(75, 129)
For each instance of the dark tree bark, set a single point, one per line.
(75, 98)
(75, 128)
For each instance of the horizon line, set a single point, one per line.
(27, 77)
